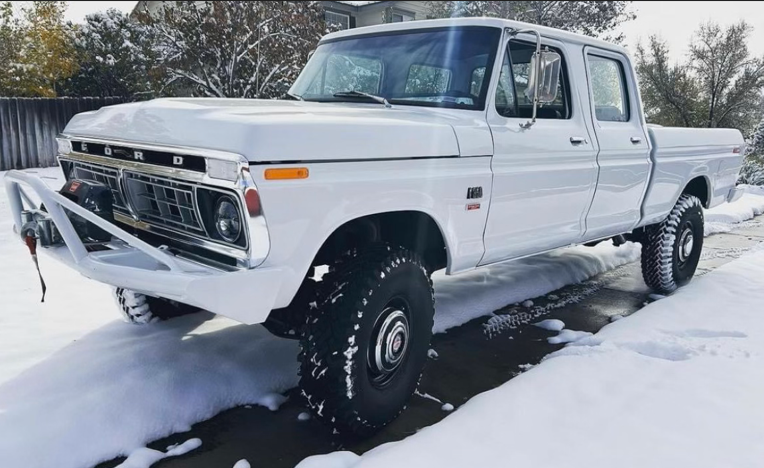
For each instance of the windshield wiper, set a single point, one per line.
(356, 94)
(296, 97)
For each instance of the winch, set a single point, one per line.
(91, 195)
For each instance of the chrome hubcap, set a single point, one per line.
(686, 243)
(389, 344)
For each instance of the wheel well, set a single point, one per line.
(698, 187)
(413, 230)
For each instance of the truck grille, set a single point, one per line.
(104, 175)
(163, 202)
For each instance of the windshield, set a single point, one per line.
(430, 67)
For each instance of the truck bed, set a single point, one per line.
(680, 155)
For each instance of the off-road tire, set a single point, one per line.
(140, 309)
(337, 376)
(665, 265)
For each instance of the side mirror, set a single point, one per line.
(546, 65)
(543, 77)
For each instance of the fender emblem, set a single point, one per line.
(473, 206)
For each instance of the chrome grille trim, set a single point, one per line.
(104, 175)
(164, 202)
(257, 237)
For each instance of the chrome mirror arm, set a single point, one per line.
(537, 73)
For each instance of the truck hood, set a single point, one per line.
(269, 130)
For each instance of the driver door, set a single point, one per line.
(544, 176)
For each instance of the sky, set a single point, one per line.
(674, 21)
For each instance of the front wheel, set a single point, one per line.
(671, 249)
(364, 347)
(140, 309)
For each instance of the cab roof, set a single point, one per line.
(550, 33)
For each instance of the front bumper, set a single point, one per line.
(244, 295)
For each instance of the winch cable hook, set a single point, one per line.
(31, 241)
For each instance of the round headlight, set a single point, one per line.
(227, 219)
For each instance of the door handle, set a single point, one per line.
(636, 140)
(577, 140)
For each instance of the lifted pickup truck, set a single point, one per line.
(407, 148)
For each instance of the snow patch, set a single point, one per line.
(340, 459)
(304, 416)
(272, 401)
(551, 324)
(568, 336)
(242, 464)
(145, 457)
(528, 304)
(447, 407)
(432, 354)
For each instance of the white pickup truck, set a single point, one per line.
(406, 148)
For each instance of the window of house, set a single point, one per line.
(397, 18)
(337, 19)
(511, 100)
(424, 79)
(611, 103)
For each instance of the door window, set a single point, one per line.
(611, 103)
(511, 100)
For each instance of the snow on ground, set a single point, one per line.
(145, 457)
(678, 383)
(78, 386)
(551, 324)
(568, 336)
(461, 298)
(724, 217)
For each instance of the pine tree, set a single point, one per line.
(116, 57)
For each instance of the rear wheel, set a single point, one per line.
(141, 309)
(364, 347)
(671, 249)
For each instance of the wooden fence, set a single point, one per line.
(28, 127)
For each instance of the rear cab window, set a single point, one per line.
(609, 91)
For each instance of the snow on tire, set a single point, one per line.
(133, 306)
(671, 249)
(363, 349)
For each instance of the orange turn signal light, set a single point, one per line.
(286, 173)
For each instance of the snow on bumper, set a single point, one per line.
(245, 295)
